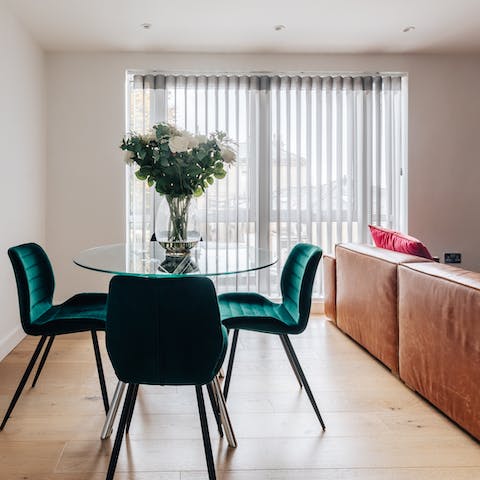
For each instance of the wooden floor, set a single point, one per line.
(376, 427)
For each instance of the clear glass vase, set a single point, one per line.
(172, 225)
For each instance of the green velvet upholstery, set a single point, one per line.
(252, 311)
(35, 287)
(39, 317)
(164, 331)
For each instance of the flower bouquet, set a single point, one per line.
(179, 165)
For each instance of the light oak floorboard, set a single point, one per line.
(377, 429)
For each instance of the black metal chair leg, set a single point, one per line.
(304, 380)
(292, 363)
(215, 408)
(23, 381)
(205, 435)
(43, 359)
(132, 408)
(231, 358)
(101, 376)
(121, 430)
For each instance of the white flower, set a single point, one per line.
(202, 139)
(128, 157)
(178, 144)
(192, 141)
(173, 130)
(228, 155)
(148, 136)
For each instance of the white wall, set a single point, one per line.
(23, 176)
(86, 122)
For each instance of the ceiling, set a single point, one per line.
(227, 26)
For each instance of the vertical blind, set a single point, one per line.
(319, 158)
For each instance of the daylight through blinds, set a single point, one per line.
(319, 158)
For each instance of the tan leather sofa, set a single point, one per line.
(420, 318)
(439, 320)
(366, 298)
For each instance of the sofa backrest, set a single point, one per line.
(367, 296)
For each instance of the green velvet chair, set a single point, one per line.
(164, 331)
(81, 313)
(252, 311)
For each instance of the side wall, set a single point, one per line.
(23, 178)
(86, 196)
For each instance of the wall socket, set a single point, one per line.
(453, 257)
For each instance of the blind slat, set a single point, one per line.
(319, 158)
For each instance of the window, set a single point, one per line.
(319, 158)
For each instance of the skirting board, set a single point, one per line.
(11, 341)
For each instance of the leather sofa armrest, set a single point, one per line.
(330, 286)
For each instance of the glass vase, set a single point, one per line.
(172, 225)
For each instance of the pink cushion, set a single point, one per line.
(398, 242)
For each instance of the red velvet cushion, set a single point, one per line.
(398, 242)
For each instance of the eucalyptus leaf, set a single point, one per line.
(141, 175)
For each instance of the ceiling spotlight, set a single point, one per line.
(410, 28)
(146, 26)
(278, 28)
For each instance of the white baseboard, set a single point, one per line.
(8, 343)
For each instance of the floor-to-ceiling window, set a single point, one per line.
(319, 158)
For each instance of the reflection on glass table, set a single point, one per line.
(150, 259)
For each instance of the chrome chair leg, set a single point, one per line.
(215, 408)
(227, 424)
(112, 412)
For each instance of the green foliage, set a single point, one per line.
(176, 162)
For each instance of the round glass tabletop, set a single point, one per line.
(150, 259)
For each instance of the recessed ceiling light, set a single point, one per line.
(278, 28)
(146, 26)
(410, 28)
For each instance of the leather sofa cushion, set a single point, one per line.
(439, 328)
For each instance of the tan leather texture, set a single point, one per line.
(330, 286)
(367, 298)
(439, 328)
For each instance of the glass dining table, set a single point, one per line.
(149, 259)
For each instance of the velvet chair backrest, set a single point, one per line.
(296, 284)
(164, 331)
(35, 282)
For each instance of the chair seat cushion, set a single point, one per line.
(82, 312)
(252, 311)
